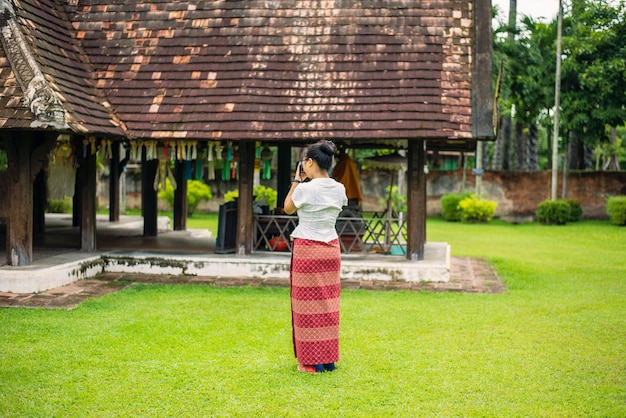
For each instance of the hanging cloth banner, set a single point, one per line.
(266, 159)
(227, 157)
(198, 171)
(210, 167)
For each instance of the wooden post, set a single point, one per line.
(88, 205)
(246, 186)
(149, 196)
(416, 200)
(77, 198)
(114, 183)
(180, 197)
(39, 202)
(283, 173)
(20, 221)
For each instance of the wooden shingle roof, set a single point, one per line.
(266, 70)
(38, 42)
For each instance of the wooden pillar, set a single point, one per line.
(416, 200)
(114, 183)
(27, 152)
(180, 196)
(149, 201)
(20, 222)
(283, 173)
(39, 202)
(88, 205)
(246, 186)
(77, 198)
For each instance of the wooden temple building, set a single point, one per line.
(167, 81)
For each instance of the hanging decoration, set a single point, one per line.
(234, 172)
(89, 146)
(163, 173)
(166, 146)
(105, 149)
(266, 159)
(227, 156)
(64, 152)
(192, 150)
(181, 150)
(136, 148)
(210, 166)
(151, 150)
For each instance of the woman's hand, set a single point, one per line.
(300, 176)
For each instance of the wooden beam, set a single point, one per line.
(246, 200)
(416, 201)
(180, 196)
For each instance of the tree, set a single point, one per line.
(594, 75)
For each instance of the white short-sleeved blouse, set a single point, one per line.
(318, 202)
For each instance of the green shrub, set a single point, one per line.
(260, 192)
(398, 200)
(266, 193)
(475, 210)
(616, 209)
(60, 206)
(553, 212)
(450, 206)
(575, 210)
(197, 191)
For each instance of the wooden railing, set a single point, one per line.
(374, 233)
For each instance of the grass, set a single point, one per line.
(553, 345)
(199, 220)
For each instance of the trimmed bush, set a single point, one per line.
(616, 209)
(553, 212)
(575, 210)
(475, 210)
(450, 206)
(197, 191)
(260, 192)
(60, 206)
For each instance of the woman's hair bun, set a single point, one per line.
(328, 147)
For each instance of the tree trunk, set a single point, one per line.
(574, 152)
(612, 163)
(533, 152)
(520, 148)
(502, 152)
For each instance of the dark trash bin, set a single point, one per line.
(226, 228)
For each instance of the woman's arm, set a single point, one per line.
(289, 206)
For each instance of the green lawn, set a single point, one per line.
(553, 345)
(199, 220)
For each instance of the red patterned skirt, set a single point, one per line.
(315, 292)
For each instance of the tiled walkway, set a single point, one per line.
(472, 275)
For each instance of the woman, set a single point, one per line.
(315, 260)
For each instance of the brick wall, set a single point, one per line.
(519, 193)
